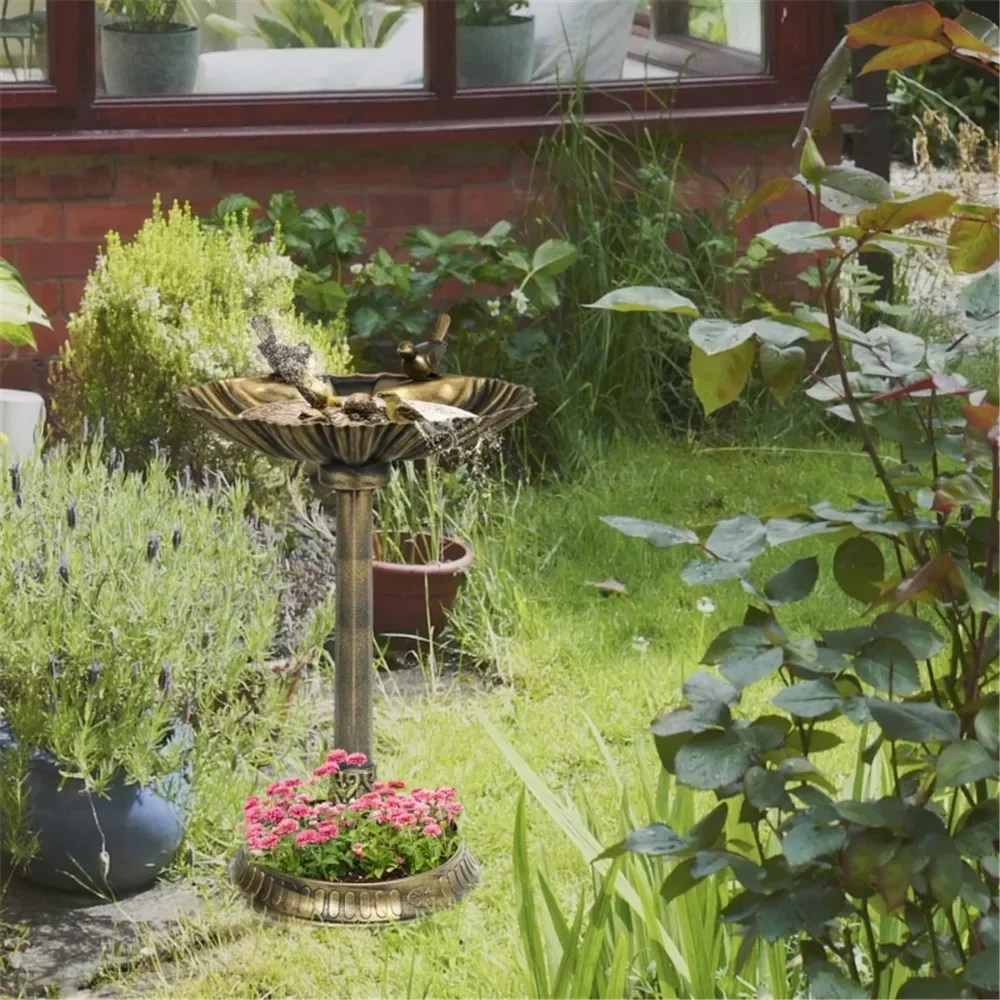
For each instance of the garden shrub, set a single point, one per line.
(887, 887)
(136, 609)
(170, 309)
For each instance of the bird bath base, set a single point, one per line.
(356, 902)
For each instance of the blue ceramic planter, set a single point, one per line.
(140, 828)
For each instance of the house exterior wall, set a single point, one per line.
(55, 212)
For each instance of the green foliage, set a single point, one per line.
(18, 310)
(486, 12)
(920, 671)
(298, 24)
(143, 15)
(138, 616)
(168, 310)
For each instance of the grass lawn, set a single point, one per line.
(570, 655)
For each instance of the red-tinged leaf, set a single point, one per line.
(944, 385)
(833, 75)
(764, 194)
(973, 245)
(901, 56)
(930, 577)
(961, 38)
(983, 417)
(896, 25)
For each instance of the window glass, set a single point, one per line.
(262, 47)
(517, 42)
(23, 42)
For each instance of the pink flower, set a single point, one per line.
(358, 849)
(275, 814)
(336, 756)
(432, 830)
(324, 769)
(286, 826)
(300, 810)
(251, 803)
(265, 843)
(254, 814)
(396, 783)
(356, 758)
(400, 861)
(273, 788)
(308, 837)
(328, 829)
(292, 782)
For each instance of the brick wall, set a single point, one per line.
(55, 212)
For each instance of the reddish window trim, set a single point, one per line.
(72, 120)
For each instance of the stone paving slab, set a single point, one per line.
(71, 936)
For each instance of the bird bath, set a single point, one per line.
(352, 459)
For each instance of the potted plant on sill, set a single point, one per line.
(392, 853)
(22, 414)
(495, 44)
(146, 51)
(138, 618)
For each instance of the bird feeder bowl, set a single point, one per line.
(353, 458)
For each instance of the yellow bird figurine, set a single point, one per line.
(398, 410)
(420, 361)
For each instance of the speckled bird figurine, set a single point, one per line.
(420, 361)
(292, 363)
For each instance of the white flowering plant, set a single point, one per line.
(170, 309)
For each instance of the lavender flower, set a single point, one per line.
(153, 546)
(71, 513)
(175, 538)
(15, 477)
(64, 568)
(112, 459)
(187, 709)
(94, 672)
(166, 678)
(18, 499)
(54, 665)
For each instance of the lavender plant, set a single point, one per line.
(134, 608)
(893, 893)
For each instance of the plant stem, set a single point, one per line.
(873, 950)
(935, 946)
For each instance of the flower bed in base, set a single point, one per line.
(356, 902)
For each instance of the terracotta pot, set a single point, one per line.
(412, 595)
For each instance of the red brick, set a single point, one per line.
(48, 295)
(94, 220)
(436, 207)
(56, 259)
(49, 341)
(30, 221)
(9, 253)
(72, 295)
(489, 203)
(8, 181)
(93, 181)
(436, 174)
(23, 373)
(168, 178)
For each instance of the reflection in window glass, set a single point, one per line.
(266, 47)
(697, 38)
(23, 42)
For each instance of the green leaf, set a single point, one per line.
(656, 839)
(827, 982)
(742, 637)
(740, 537)
(765, 193)
(496, 234)
(712, 759)
(901, 212)
(987, 725)
(889, 353)
(859, 568)
(796, 237)
(983, 969)
(945, 872)
(720, 378)
(805, 842)
(794, 582)
(863, 856)
(809, 699)
(715, 336)
(704, 835)
(916, 635)
(702, 686)
(678, 881)
(929, 988)
(646, 298)
(832, 76)
(765, 789)
(886, 664)
(701, 572)
(553, 256)
(780, 369)
(662, 535)
(862, 185)
(919, 722)
(964, 763)
(744, 666)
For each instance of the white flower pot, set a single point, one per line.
(22, 417)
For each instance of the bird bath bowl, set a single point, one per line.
(353, 458)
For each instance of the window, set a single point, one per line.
(246, 72)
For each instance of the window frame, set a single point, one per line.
(66, 115)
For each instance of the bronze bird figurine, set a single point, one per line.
(420, 361)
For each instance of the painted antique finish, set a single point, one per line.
(356, 902)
